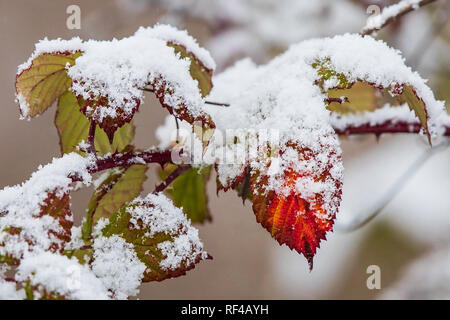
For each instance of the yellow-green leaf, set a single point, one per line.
(44, 81)
(416, 104)
(73, 127)
(360, 97)
(197, 70)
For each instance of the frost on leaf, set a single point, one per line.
(292, 169)
(108, 78)
(162, 237)
(36, 215)
(43, 81)
(50, 276)
(361, 75)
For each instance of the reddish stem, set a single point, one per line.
(130, 158)
(386, 127)
(91, 138)
(175, 174)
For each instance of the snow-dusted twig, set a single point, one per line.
(207, 102)
(391, 13)
(127, 159)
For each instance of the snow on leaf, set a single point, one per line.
(117, 265)
(301, 217)
(50, 276)
(161, 235)
(36, 214)
(44, 81)
(197, 70)
(344, 61)
(108, 78)
(73, 128)
(188, 191)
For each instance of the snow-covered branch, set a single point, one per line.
(391, 13)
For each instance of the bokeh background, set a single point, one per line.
(409, 240)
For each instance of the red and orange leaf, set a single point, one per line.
(292, 219)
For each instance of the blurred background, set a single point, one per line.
(409, 240)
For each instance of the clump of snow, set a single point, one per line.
(170, 34)
(56, 273)
(117, 266)
(157, 214)
(280, 97)
(52, 46)
(20, 205)
(118, 70)
(283, 96)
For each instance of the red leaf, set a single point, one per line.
(291, 219)
(58, 207)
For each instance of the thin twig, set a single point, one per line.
(91, 138)
(208, 102)
(175, 174)
(401, 12)
(177, 140)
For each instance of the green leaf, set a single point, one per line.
(120, 186)
(146, 243)
(44, 81)
(73, 127)
(189, 192)
(325, 71)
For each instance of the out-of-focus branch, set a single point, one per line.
(362, 219)
(390, 14)
(386, 127)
